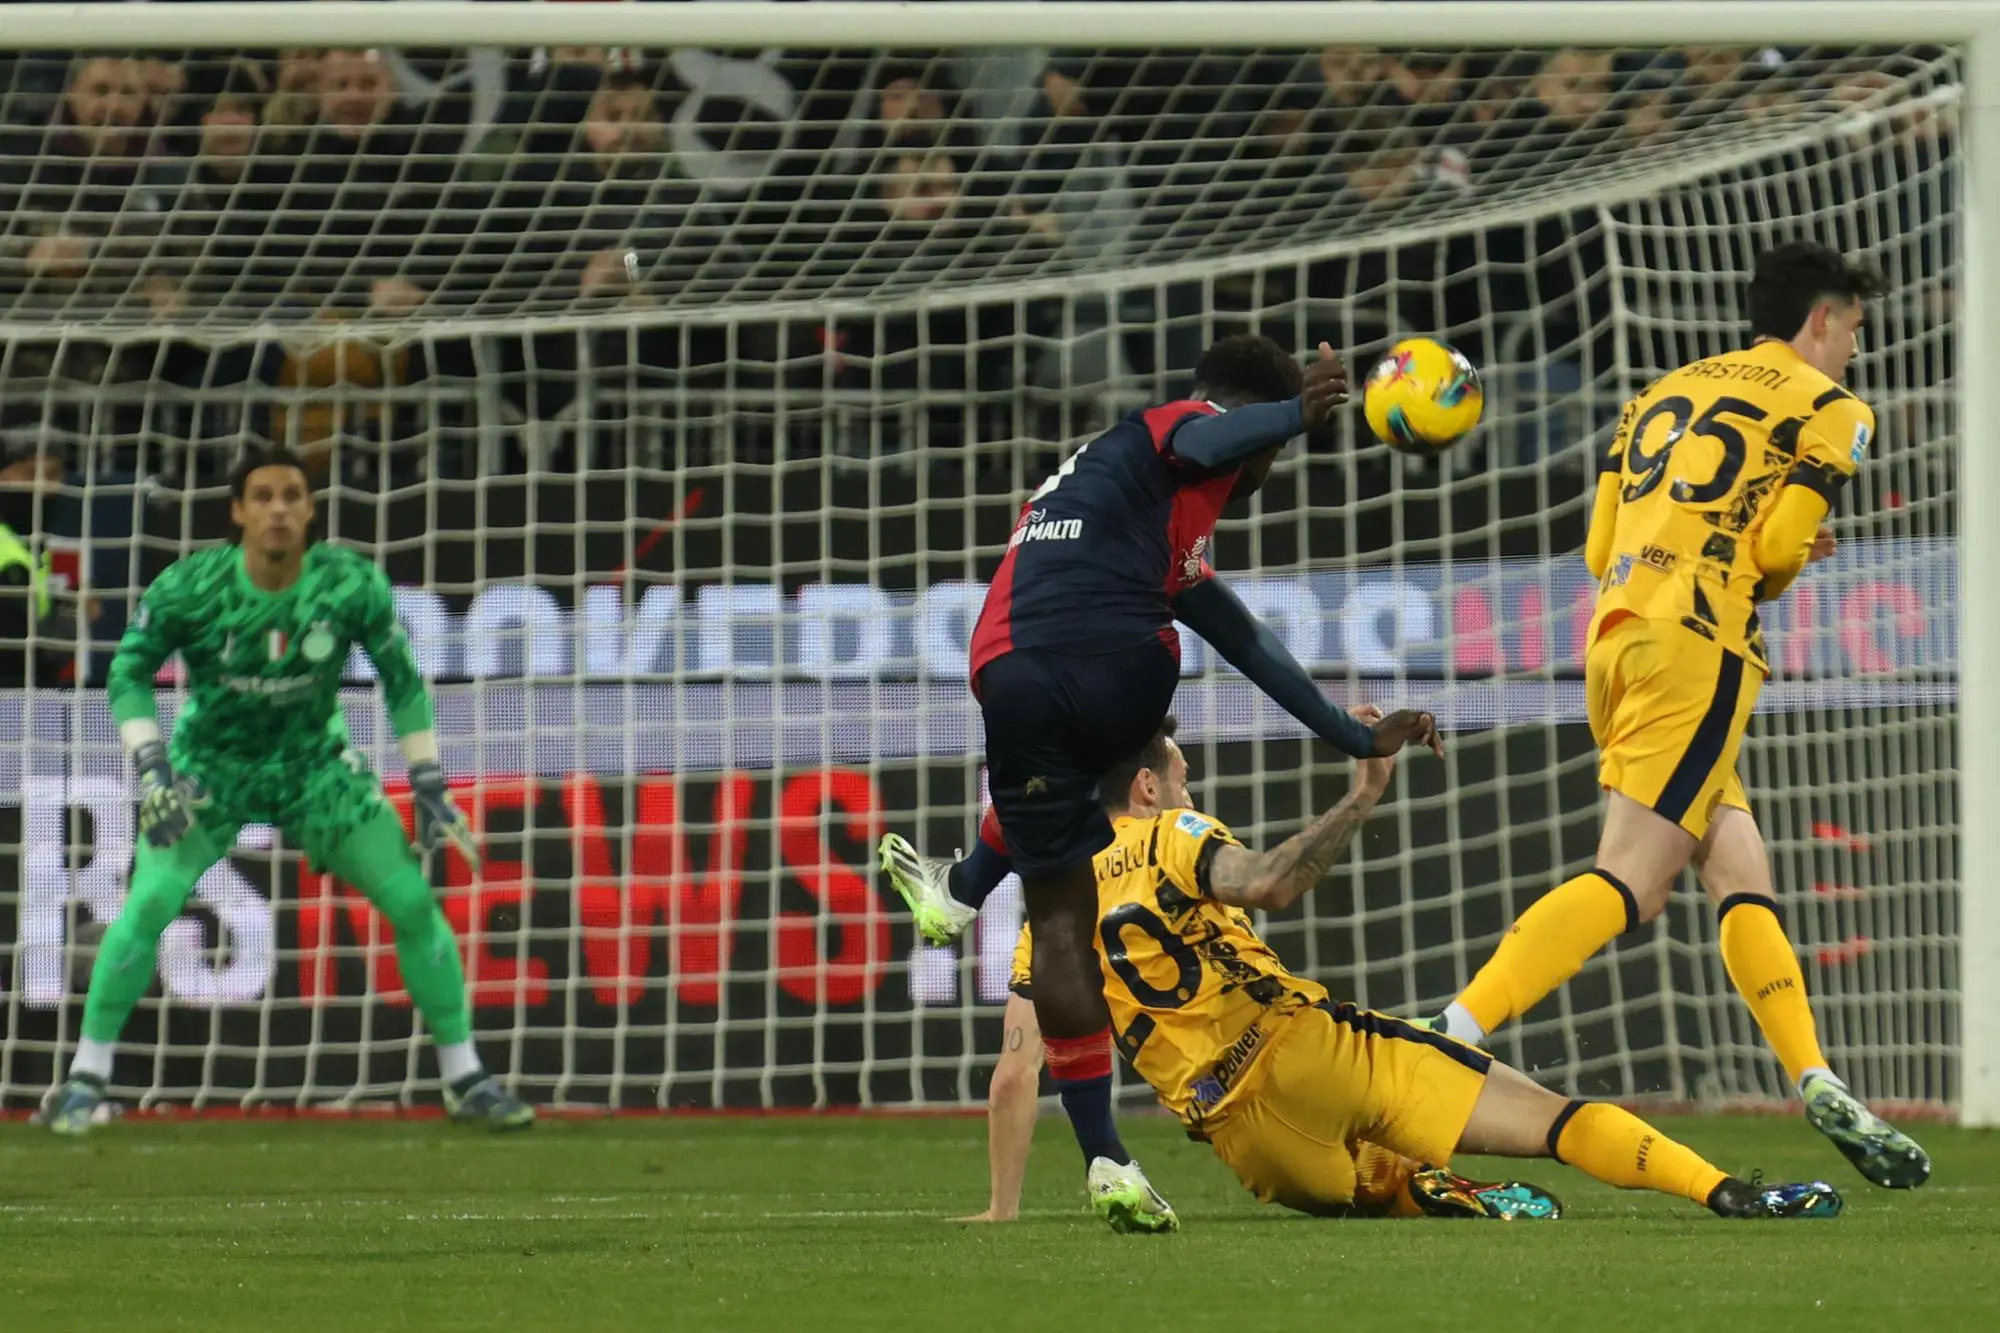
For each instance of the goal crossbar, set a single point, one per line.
(1000, 23)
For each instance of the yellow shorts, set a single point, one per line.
(1020, 976)
(1668, 708)
(1347, 1103)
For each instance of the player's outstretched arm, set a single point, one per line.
(414, 720)
(1211, 609)
(1276, 879)
(1232, 438)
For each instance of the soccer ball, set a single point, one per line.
(1422, 397)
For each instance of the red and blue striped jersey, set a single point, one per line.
(1102, 548)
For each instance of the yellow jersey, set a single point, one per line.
(1701, 456)
(1194, 993)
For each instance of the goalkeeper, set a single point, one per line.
(264, 628)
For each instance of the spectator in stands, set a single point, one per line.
(219, 254)
(82, 199)
(913, 101)
(294, 102)
(634, 224)
(368, 191)
(1574, 90)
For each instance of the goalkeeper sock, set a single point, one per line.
(1620, 1149)
(92, 1060)
(1081, 1069)
(1547, 946)
(974, 878)
(1765, 969)
(458, 1061)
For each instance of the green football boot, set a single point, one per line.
(1122, 1196)
(1881, 1152)
(480, 1100)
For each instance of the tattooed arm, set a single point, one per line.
(1278, 878)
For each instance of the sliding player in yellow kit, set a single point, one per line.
(1711, 500)
(1316, 1104)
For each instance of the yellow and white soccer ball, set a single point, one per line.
(1422, 397)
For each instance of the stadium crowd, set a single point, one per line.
(195, 204)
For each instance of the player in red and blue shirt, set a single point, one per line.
(1075, 660)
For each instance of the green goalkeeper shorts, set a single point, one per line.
(318, 801)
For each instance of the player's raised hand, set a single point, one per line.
(1823, 545)
(1325, 387)
(167, 804)
(1407, 726)
(438, 819)
(1371, 776)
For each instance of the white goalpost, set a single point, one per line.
(685, 364)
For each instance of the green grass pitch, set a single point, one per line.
(813, 1224)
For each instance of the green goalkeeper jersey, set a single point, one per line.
(263, 669)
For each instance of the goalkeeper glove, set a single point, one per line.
(167, 804)
(437, 818)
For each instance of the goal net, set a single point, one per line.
(688, 397)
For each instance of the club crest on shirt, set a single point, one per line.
(1191, 562)
(318, 643)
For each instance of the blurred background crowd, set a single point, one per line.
(419, 266)
(654, 200)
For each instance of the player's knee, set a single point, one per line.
(1015, 1080)
(150, 909)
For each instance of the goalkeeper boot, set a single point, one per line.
(925, 883)
(1440, 1193)
(1752, 1198)
(480, 1100)
(1122, 1196)
(1881, 1152)
(73, 1109)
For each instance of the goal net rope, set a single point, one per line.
(688, 397)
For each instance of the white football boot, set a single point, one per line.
(925, 883)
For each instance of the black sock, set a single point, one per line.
(1087, 1103)
(973, 879)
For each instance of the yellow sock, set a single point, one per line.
(1765, 968)
(1548, 945)
(1620, 1149)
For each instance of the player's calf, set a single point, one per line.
(1516, 1117)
